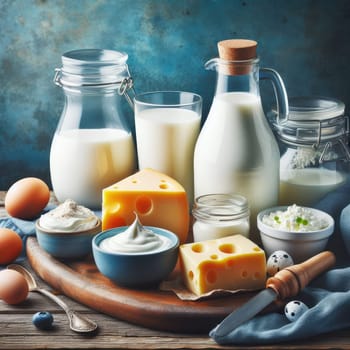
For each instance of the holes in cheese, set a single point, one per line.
(227, 248)
(230, 263)
(143, 205)
(115, 209)
(257, 275)
(163, 185)
(157, 199)
(197, 248)
(212, 276)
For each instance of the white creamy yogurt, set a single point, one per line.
(135, 239)
(296, 219)
(68, 217)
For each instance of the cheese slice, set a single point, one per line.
(157, 199)
(230, 263)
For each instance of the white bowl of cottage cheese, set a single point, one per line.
(300, 231)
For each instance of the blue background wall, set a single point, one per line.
(168, 42)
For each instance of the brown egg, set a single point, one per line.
(26, 198)
(13, 287)
(10, 245)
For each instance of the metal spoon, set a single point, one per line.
(77, 322)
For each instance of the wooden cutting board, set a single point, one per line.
(152, 308)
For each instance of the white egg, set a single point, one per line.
(294, 309)
(277, 261)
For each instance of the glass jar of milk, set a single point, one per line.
(93, 146)
(236, 151)
(314, 143)
(219, 215)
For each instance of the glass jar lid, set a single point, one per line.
(314, 108)
(312, 121)
(92, 67)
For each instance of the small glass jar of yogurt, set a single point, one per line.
(220, 215)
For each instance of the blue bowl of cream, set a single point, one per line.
(66, 231)
(136, 256)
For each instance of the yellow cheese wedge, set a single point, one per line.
(157, 199)
(230, 263)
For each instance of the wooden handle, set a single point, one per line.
(291, 280)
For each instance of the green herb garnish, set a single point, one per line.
(277, 219)
(300, 221)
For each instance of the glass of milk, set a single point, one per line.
(167, 125)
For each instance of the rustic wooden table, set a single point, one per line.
(18, 332)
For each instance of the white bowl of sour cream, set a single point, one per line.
(136, 255)
(66, 232)
(300, 231)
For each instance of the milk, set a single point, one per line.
(165, 142)
(84, 161)
(236, 153)
(203, 231)
(306, 186)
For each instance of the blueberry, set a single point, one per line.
(43, 320)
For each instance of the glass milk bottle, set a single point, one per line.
(236, 151)
(314, 145)
(93, 146)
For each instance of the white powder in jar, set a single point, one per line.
(304, 157)
(295, 219)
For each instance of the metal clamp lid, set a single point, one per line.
(312, 121)
(317, 123)
(126, 85)
(95, 68)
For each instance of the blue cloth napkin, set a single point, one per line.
(26, 228)
(328, 296)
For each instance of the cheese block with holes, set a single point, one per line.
(157, 199)
(230, 263)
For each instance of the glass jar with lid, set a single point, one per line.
(314, 146)
(93, 146)
(220, 215)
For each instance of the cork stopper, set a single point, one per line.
(237, 50)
